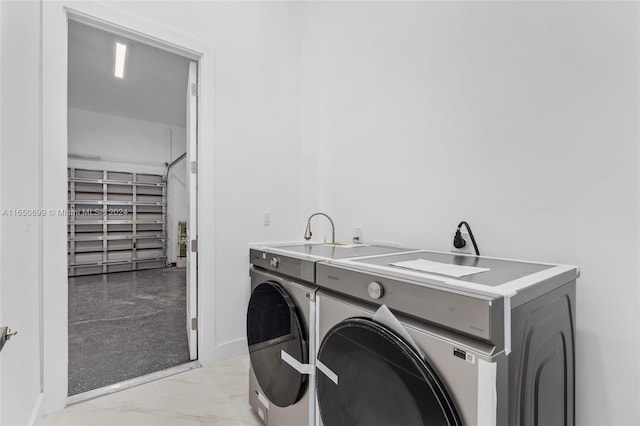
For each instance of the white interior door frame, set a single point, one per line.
(54, 106)
(1, 201)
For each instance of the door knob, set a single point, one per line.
(5, 335)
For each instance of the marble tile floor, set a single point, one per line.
(124, 325)
(216, 395)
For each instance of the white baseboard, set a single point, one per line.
(226, 350)
(37, 415)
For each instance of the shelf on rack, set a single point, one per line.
(117, 203)
(117, 182)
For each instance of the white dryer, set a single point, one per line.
(492, 348)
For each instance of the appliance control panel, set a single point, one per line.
(477, 315)
(285, 265)
(375, 290)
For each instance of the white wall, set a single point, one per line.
(121, 138)
(521, 118)
(20, 245)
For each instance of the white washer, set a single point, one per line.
(281, 327)
(492, 348)
(278, 320)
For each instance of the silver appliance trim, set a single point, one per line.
(472, 314)
(528, 286)
(286, 265)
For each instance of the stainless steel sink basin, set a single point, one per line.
(343, 245)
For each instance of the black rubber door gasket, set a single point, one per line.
(382, 380)
(273, 325)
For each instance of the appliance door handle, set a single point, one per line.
(295, 364)
(327, 371)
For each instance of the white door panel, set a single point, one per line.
(192, 223)
(20, 218)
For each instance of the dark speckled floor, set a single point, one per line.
(124, 325)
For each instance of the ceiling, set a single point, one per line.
(154, 86)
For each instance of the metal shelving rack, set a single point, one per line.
(117, 221)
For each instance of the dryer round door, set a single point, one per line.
(369, 375)
(273, 326)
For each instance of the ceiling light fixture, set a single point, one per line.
(121, 54)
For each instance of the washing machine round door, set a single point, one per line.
(273, 326)
(369, 375)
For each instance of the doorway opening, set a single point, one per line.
(132, 135)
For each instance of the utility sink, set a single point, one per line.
(343, 245)
(337, 250)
